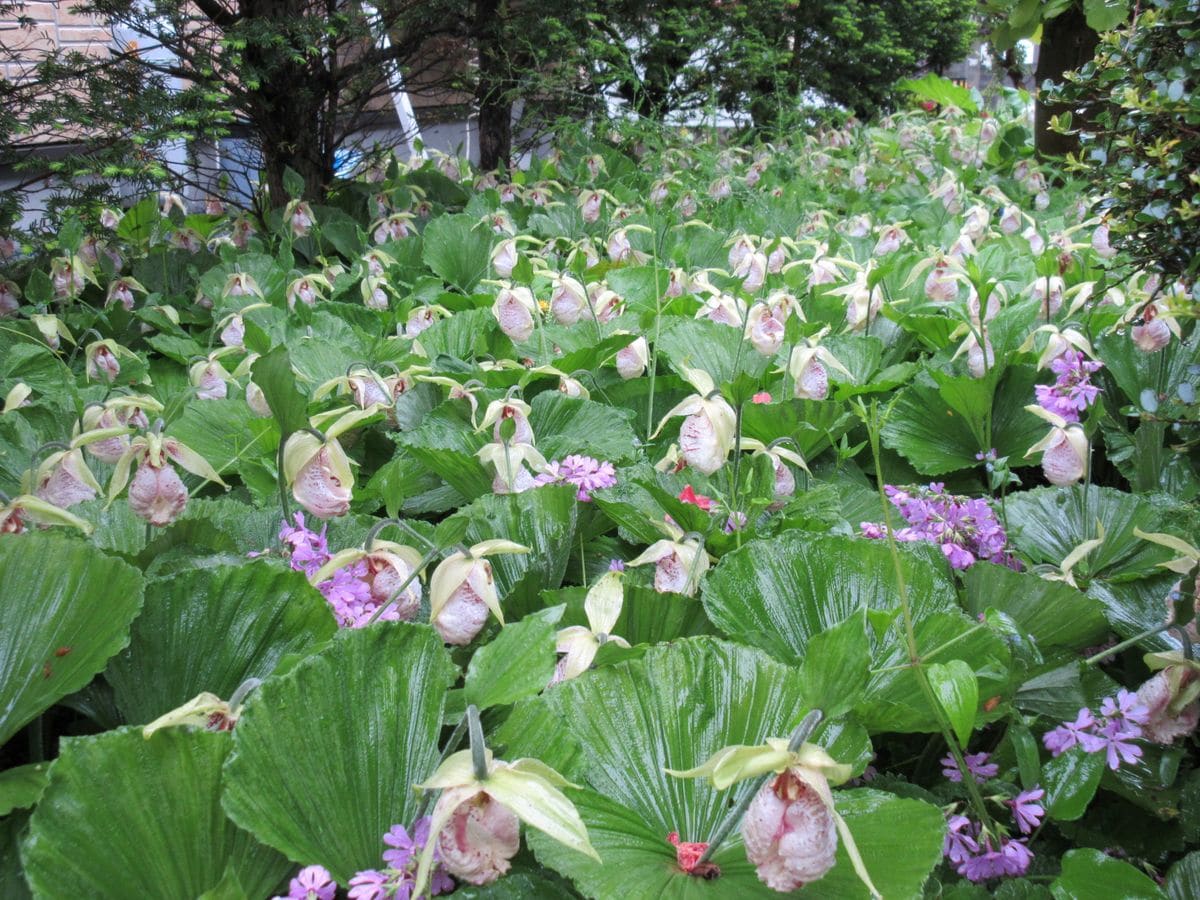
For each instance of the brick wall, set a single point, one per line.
(55, 26)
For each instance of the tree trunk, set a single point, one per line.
(493, 92)
(1067, 43)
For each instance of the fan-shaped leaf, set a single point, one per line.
(127, 817)
(66, 609)
(326, 756)
(778, 593)
(458, 249)
(566, 425)
(210, 630)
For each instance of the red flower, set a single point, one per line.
(687, 495)
(761, 397)
(687, 857)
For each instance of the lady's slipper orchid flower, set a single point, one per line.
(509, 459)
(156, 493)
(724, 309)
(257, 401)
(389, 566)
(102, 362)
(10, 298)
(1170, 696)
(395, 227)
(210, 378)
(62, 479)
(862, 301)
(707, 433)
(462, 591)
(299, 217)
(1037, 243)
(1153, 326)
(981, 358)
(764, 331)
(205, 710)
(17, 396)
(1100, 243)
(568, 300)
(106, 429)
(515, 309)
(791, 828)
(374, 291)
(740, 249)
(318, 471)
(752, 270)
(808, 366)
(16, 515)
(679, 562)
(785, 481)
(1064, 450)
(307, 290)
(633, 359)
(241, 284)
(121, 291)
(474, 827)
(1061, 340)
(52, 329)
(1048, 292)
(890, 240)
(602, 606)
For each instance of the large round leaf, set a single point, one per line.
(674, 708)
(128, 817)
(326, 755)
(65, 608)
(210, 630)
(778, 593)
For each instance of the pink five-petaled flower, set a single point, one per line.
(981, 770)
(311, 883)
(1027, 811)
(761, 397)
(689, 495)
(1069, 734)
(1008, 859)
(960, 844)
(790, 833)
(369, 885)
(687, 857)
(586, 473)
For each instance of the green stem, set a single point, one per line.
(281, 480)
(478, 748)
(802, 733)
(1124, 645)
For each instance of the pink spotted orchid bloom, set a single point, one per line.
(706, 436)
(156, 492)
(462, 591)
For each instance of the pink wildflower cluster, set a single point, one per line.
(977, 764)
(978, 855)
(1073, 392)
(1113, 731)
(964, 527)
(348, 591)
(394, 882)
(585, 473)
(397, 879)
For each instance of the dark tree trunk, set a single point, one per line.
(1067, 43)
(493, 92)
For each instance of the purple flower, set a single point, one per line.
(369, 885)
(965, 528)
(307, 550)
(1073, 391)
(1068, 734)
(960, 844)
(1027, 811)
(1117, 746)
(311, 883)
(404, 847)
(349, 595)
(1010, 859)
(1125, 706)
(977, 765)
(586, 473)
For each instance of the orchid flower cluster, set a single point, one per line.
(1073, 391)
(965, 528)
(1120, 722)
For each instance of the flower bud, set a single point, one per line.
(790, 833)
(157, 494)
(482, 836)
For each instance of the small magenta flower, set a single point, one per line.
(960, 844)
(311, 883)
(1027, 811)
(369, 885)
(1006, 859)
(1069, 734)
(977, 765)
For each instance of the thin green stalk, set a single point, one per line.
(281, 480)
(914, 655)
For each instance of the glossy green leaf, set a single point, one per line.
(566, 425)
(273, 374)
(1053, 613)
(956, 689)
(1183, 879)
(458, 249)
(780, 592)
(1071, 780)
(21, 787)
(834, 671)
(517, 663)
(210, 630)
(1088, 874)
(127, 817)
(326, 755)
(66, 610)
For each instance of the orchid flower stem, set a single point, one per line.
(478, 748)
(425, 560)
(374, 533)
(1125, 645)
(802, 733)
(281, 480)
(874, 423)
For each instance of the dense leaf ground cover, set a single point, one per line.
(868, 442)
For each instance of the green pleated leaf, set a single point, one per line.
(326, 756)
(647, 617)
(210, 630)
(1089, 874)
(273, 374)
(446, 443)
(227, 433)
(463, 335)
(711, 347)
(13, 885)
(566, 425)
(66, 609)
(815, 425)
(127, 817)
(777, 593)
(543, 520)
(1055, 614)
(517, 663)
(1183, 881)
(835, 666)
(925, 428)
(458, 248)
(21, 787)
(1048, 523)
